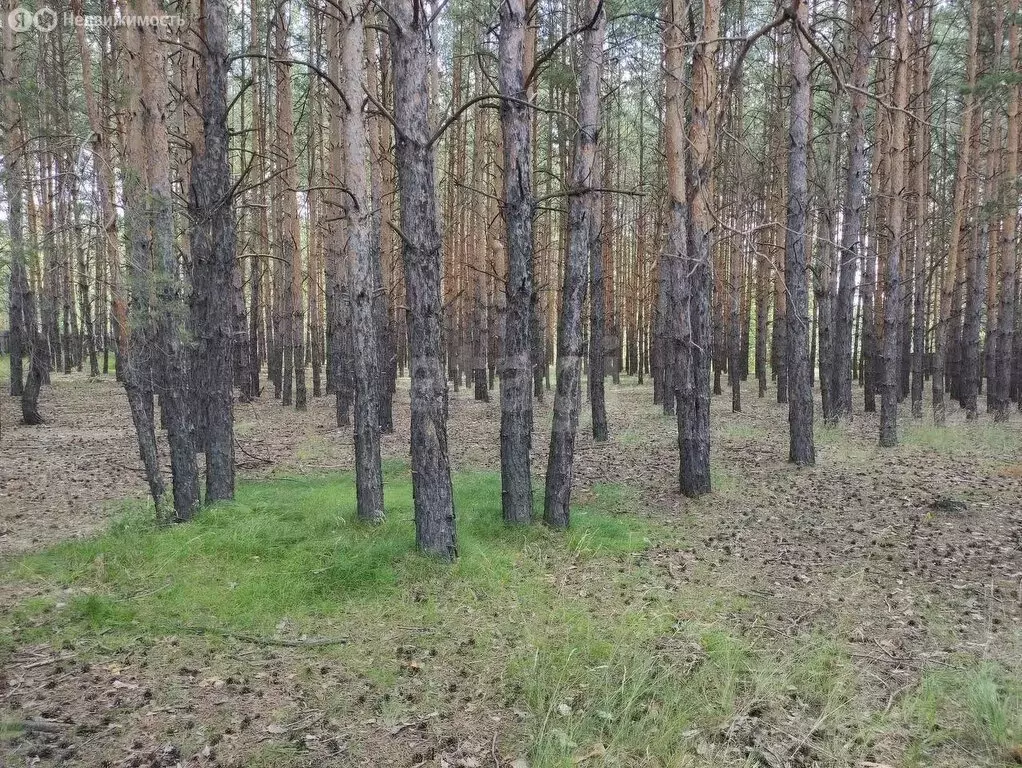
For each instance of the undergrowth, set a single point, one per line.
(575, 632)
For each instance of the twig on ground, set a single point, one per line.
(309, 642)
(40, 726)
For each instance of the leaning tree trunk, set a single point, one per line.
(893, 306)
(363, 287)
(213, 244)
(516, 360)
(420, 227)
(801, 449)
(570, 345)
(136, 364)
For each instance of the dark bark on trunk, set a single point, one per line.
(431, 472)
(213, 244)
(597, 320)
(517, 360)
(800, 402)
(570, 343)
(156, 300)
(693, 369)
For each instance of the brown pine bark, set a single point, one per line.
(382, 234)
(290, 246)
(893, 307)
(1000, 381)
(363, 287)
(261, 236)
(693, 368)
(945, 331)
(150, 216)
(338, 309)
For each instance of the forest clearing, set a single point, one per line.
(862, 612)
(518, 384)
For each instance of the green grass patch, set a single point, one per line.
(981, 439)
(577, 632)
(293, 548)
(973, 711)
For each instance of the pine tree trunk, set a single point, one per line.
(24, 336)
(893, 306)
(800, 402)
(420, 226)
(945, 333)
(517, 358)
(921, 178)
(293, 326)
(597, 319)
(1001, 378)
(381, 202)
(570, 344)
(693, 369)
(362, 284)
(213, 245)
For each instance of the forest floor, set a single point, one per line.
(865, 612)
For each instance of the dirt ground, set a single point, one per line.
(911, 555)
